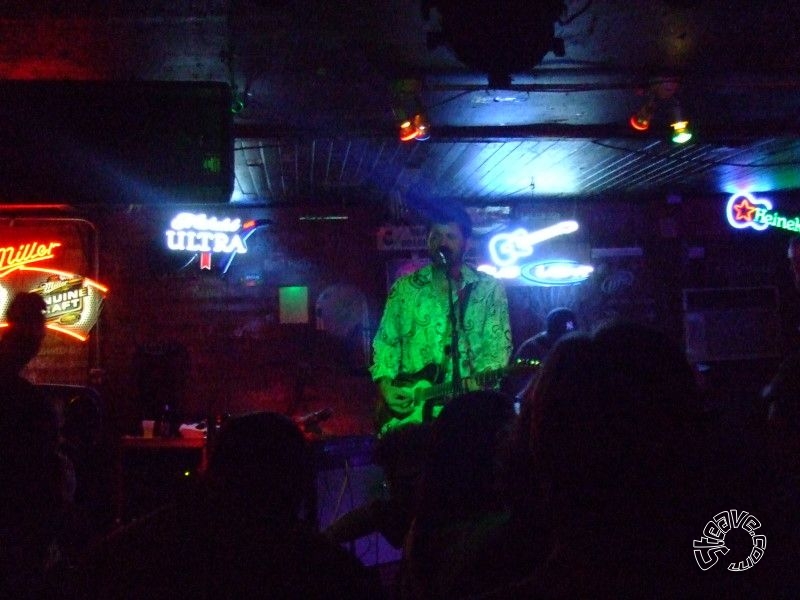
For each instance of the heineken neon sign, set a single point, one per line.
(744, 211)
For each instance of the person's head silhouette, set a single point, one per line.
(25, 330)
(261, 465)
(560, 321)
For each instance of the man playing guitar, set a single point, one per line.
(443, 306)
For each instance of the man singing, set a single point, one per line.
(439, 308)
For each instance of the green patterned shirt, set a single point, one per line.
(414, 331)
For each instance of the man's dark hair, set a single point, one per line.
(451, 212)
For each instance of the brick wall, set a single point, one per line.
(241, 357)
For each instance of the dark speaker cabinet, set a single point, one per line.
(109, 142)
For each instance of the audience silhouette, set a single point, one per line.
(617, 478)
(243, 536)
(601, 487)
(458, 500)
(35, 481)
(92, 447)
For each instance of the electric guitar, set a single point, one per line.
(429, 393)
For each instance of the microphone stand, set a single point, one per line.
(454, 352)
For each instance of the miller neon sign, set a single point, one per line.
(745, 211)
(13, 258)
(556, 272)
(72, 301)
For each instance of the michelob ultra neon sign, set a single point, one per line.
(190, 232)
(198, 233)
(744, 211)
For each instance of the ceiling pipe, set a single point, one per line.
(711, 132)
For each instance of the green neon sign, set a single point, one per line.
(746, 211)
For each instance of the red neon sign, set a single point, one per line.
(12, 258)
(73, 301)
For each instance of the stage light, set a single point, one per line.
(681, 132)
(409, 110)
(407, 131)
(640, 120)
(662, 95)
(422, 126)
(418, 128)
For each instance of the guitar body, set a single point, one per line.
(415, 384)
(394, 420)
(429, 393)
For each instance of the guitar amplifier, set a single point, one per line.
(333, 453)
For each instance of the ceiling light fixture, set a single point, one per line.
(417, 128)
(409, 110)
(681, 133)
(407, 131)
(640, 120)
(423, 127)
(663, 91)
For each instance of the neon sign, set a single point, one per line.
(507, 248)
(73, 302)
(556, 272)
(198, 233)
(509, 272)
(744, 210)
(12, 258)
(208, 235)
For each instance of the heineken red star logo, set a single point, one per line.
(745, 210)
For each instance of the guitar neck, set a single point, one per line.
(446, 390)
(486, 379)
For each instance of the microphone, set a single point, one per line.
(444, 255)
(311, 421)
